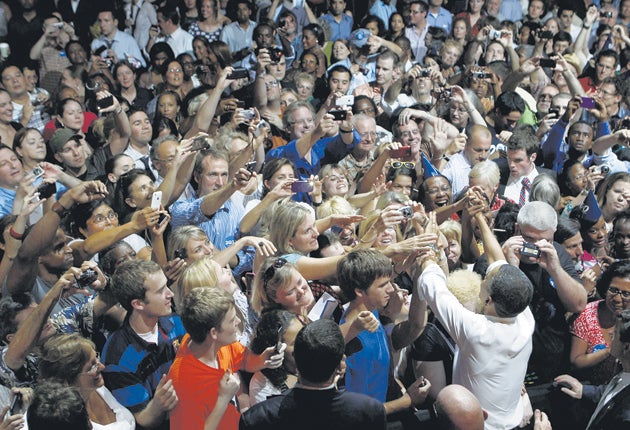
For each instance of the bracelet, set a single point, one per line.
(15, 235)
(345, 131)
(119, 111)
(59, 209)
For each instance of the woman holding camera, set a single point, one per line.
(592, 330)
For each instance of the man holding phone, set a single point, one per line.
(118, 44)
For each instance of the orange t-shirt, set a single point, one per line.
(197, 386)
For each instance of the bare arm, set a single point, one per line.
(318, 268)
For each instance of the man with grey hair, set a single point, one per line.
(362, 155)
(557, 286)
(314, 143)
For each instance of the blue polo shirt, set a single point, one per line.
(340, 30)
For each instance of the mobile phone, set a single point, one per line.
(279, 342)
(200, 144)
(554, 112)
(345, 100)
(98, 51)
(302, 187)
(250, 166)
(181, 253)
(482, 75)
(239, 73)
(403, 151)
(161, 219)
(105, 102)
(588, 103)
(156, 200)
(37, 172)
(46, 189)
(530, 250)
(16, 404)
(546, 62)
(338, 115)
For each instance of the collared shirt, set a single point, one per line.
(418, 48)
(7, 196)
(383, 11)
(179, 40)
(237, 37)
(456, 171)
(341, 29)
(514, 185)
(222, 227)
(489, 350)
(443, 19)
(122, 43)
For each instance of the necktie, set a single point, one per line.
(147, 168)
(526, 186)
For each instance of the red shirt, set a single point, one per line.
(197, 386)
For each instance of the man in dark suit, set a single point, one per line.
(82, 15)
(315, 402)
(613, 400)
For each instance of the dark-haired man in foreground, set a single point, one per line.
(315, 402)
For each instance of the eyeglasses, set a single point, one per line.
(271, 270)
(625, 295)
(100, 218)
(403, 164)
(370, 134)
(178, 70)
(95, 366)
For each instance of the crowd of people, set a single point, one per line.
(222, 214)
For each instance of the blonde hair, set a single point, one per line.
(335, 205)
(264, 293)
(452, 230)
(285, 222)
(181, 235)
(200, 273)
(465, 286)
(64, 356)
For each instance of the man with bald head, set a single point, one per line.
(456, 408)
(476, 150)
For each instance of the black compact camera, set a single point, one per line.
(275, 53)
(282, 23)
(546, 35)
(181, 253)
(424, 73)
(608, 14)
(482, 75)
(86, 278)
(406, 211)
(530, 250)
